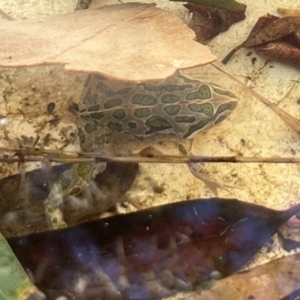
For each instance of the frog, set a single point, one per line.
(109, 110)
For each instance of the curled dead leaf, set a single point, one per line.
(276, 30)
(281, 52)
(209, 20)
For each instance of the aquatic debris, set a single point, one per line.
(149, 254)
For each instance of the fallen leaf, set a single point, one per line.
(132, 42)
(289, 234)
(22, 207)
(280, 52)
(151, 253)
(209, 21)
(273, 280)
(293, 296)
(14, 282)
(273, 29)
(221, 4)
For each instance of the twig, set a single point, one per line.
(33, 155)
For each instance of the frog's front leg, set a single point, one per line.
(197, 169)
(71, 182)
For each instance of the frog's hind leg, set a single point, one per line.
(72, 181)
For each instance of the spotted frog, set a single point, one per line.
(177, 108)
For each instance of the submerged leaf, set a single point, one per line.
(281, 52)
(14, 283)
(131, 42)
(151, 253)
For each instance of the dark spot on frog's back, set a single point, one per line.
(132, 125)
(119, 114)
(142, 112)
(185, 119)
(203, 93)
(172, 110)
(113, 103)
(158, 123)
(97, 115)
(115, 126)
(144, 99)
(227, 106)
(94, 107)
(169, 98)
(205, 108)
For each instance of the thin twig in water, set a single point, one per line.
(32, 155)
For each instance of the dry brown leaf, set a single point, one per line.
(273, 280)
(210, 21)
(281, 52)
(132, 41)
(267, 32)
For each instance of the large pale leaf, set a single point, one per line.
(14, 283)
(130, 41)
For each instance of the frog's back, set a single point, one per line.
(179, 107)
